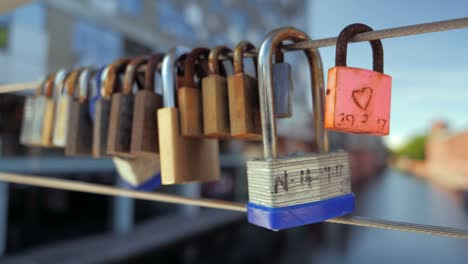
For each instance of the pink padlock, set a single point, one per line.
(358, 100)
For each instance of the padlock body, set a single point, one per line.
(100, 127)
(119, 134)
(40, 103)
(62, 115)
(144, 142)
(293, 191)
(185, 159)
(215, 102)
(47, 121)
(244, 107)
(358, 101)
(282, 89)
(28, 121)
(140, 173)
(80, 130)
(189, 100)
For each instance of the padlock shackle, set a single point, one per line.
(195, 56)
(265, 86)
(131, 72)
(59, 82)
(153, 66)
(342, 46)
(213, 58)
(84, 86)
(111, 80)
(169, 73)
(238, 56)
(70, 82)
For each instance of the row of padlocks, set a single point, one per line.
(96, 112)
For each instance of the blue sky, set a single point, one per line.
(430, 71)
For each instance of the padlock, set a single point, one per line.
(79, 127)
(140, 173)
(358, 100)
(27, 122)
(110, 83)
(282, 85)
(119, 134)
(45, 107)
(189, 97)
(144, 141)
(183, 159)
(62, 108)
(295, 190)
(215, 100)
(244, 105)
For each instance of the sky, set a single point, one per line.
(429, 71)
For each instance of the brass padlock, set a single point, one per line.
(183, 159)
(282, 85)
(79, 127)
(189, 97)
(62, 108)
(119, 134)
(244, 105)
(144, 141)
(215, 101)
(110, 83)
(27, 122)
(46, 107)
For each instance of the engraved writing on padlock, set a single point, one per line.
(215, 100)
(358, 100)
(62, 108)
(189, 96)
(295, 190)
(282, 86)
(244, 105)
(147, 102)
(200, 157)
(121, 114)
(79, 131)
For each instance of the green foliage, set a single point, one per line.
(414, 149)
(3, 37)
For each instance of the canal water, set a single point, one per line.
(394, 196)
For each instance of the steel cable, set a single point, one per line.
(218, 204)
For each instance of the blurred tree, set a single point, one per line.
(414, 149)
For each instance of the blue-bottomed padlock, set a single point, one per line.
(294, 190)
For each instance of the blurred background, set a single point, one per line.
(417, 174)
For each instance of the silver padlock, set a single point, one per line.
(295, 190)
(282, 86)
(28, 116)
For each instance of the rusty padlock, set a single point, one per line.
(79, 127)
(110, 83)
(144, 141)
(183, 159)
(119, 134)
(62, 108)
(215, 100)
(244, 105)
(358, 100)
(189, 96)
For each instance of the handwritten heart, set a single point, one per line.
(362, 97)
